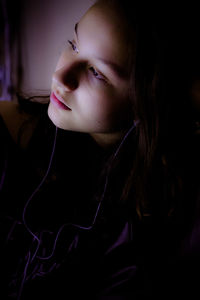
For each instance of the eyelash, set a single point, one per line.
(95, 73)
(73, 46)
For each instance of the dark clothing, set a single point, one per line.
(57, 248)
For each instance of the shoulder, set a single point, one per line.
(14, 118)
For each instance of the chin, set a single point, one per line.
(56, 119)
(52, 116)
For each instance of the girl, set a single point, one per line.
(101, 220)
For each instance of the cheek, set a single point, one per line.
(104, 108)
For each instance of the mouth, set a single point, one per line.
(58, 101)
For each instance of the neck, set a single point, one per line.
(107, 140)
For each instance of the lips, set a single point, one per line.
(58, 101)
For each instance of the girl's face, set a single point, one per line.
(90, 84)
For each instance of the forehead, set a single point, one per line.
(105, 32)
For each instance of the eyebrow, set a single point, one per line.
(116, 68)
(76, 29)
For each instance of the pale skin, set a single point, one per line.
(91, 78)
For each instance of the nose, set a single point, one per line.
(67, 76)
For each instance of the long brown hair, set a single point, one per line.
(152, 173)
(145, 60)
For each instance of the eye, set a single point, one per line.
(96, 74)
(74, 48)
